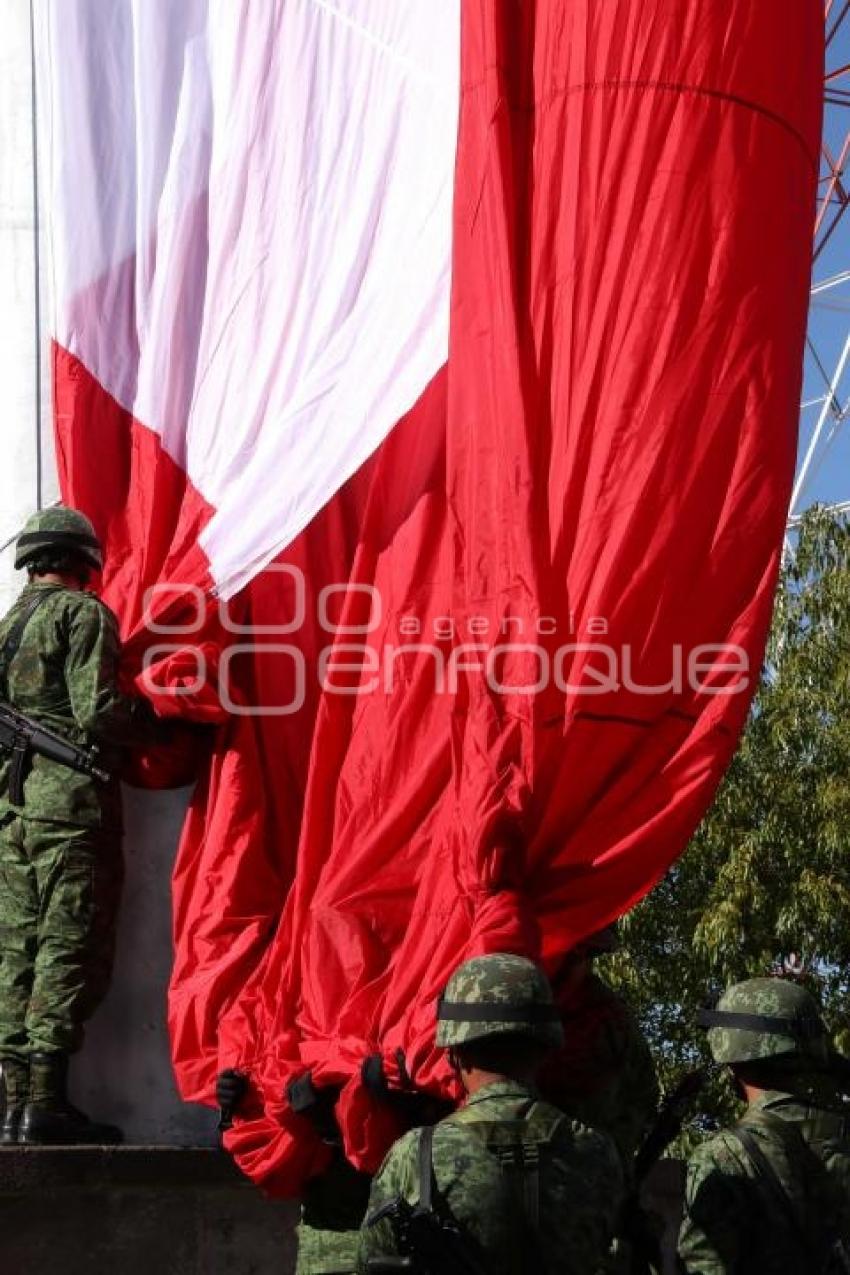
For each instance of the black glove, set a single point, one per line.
(230, 1088)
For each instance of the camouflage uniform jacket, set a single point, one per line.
(65, 676)
(734, 1223)
(581, 1185)
(333, 1209)
(603, 1075)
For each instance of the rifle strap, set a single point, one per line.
(14, 637)
(768, 1175)
(771, 1179)
(519, 1164)
(426, 1169)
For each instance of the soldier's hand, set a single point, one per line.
(230, 1088)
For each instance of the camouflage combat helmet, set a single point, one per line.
(58, 528)
(766, 1019)
(498, 995)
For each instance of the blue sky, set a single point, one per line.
(829, 318)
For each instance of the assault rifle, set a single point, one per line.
(635, 1226)
(24, 738)
(429, 1243)
(668, 1124)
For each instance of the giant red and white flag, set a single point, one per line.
(431, 370)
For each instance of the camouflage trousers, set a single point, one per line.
(59, 893)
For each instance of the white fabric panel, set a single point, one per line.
(252, 233)
(19, 368)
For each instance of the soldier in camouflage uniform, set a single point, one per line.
(603, 1074)
(60, 851)
(529, 1189)
(334, 1206)
(772, 1193)
(336, 1200)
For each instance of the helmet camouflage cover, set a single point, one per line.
(58, 528)
(765, 1019)
(498, 995)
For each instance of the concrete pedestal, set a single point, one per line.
(137, 1211)
(123, 1073)
(171, 1211)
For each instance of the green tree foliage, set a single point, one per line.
(766, 879)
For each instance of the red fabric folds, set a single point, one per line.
(555, 577)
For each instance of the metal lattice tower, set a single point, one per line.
(823, 473)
